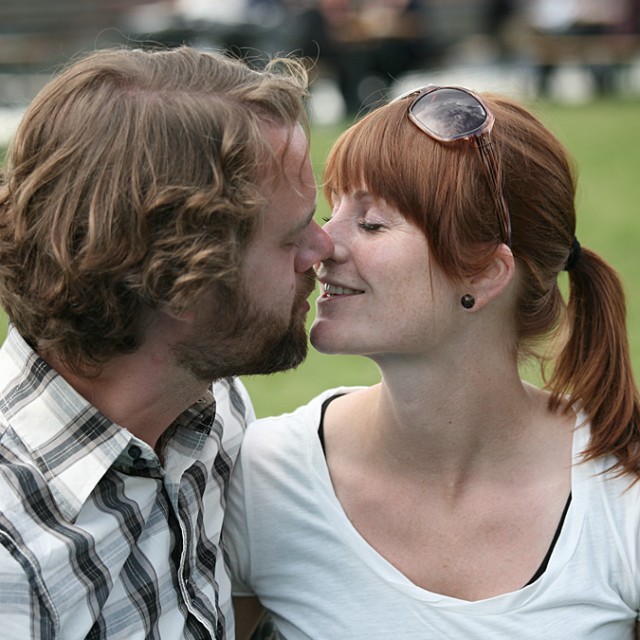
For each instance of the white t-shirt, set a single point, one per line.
(292, 545)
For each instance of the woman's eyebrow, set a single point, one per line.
(361, 194)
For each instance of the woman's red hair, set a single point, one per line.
(443, 190)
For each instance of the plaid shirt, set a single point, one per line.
(98, 539)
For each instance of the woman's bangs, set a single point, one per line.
(369, 155)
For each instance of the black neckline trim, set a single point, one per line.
(545, 562)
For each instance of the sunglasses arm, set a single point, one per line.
(489, 156)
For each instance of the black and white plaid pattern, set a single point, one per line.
(97, 538)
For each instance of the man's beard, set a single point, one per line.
(243, 340)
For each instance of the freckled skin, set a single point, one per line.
(406, 304)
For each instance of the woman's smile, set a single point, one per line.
(332, 290)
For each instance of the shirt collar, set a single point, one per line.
(64, 436)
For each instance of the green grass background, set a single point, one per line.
(604, 139)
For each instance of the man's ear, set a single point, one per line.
(179, 316)
(493, 281)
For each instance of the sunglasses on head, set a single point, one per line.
(448, 114)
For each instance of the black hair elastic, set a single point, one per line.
(574, 255)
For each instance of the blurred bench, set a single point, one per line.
(37, 34)
(610, 48)
(605, 57)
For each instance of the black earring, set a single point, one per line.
(467, 301)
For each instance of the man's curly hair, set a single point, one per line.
(135, 178)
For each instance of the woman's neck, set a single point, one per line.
(455, 421)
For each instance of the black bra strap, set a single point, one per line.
(543, 567)
(325, 404)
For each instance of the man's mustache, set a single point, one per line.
(308, 284)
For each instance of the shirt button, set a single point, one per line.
(135, 451)
(139, 463)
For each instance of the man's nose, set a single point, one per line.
(318, 246)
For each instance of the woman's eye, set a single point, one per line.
(369, 226)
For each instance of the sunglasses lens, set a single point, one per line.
(449, 114)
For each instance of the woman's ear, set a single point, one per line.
(492, 282)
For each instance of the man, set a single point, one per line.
(156, 234)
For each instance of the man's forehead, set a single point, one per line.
(289, 172)
(289, 147)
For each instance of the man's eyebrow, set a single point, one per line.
(303, 224)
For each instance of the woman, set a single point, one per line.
(452, 499)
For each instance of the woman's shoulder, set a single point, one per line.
(304, 412)
(287, 429)
(603, 483)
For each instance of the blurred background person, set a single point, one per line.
(582, 30)
(366, 44)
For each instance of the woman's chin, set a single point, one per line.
(323, 343)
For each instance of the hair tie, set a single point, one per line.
(574, 255)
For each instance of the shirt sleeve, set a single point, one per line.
(236, 531)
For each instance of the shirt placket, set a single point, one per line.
(184, 570)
